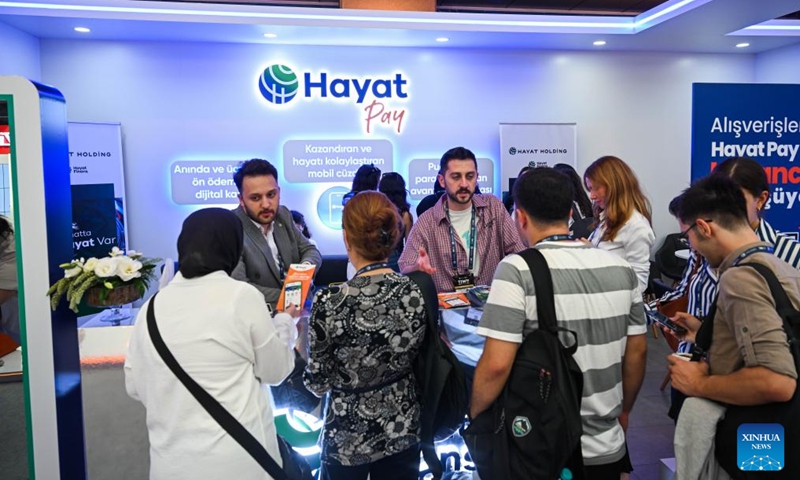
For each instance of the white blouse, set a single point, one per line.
(220, 332)
(633, 242)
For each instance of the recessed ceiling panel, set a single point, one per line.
(557, 7)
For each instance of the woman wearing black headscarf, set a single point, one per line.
(219, 330)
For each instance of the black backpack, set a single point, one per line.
(787, 413)
(534, 429)
(441, 379)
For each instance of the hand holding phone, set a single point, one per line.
(666, 322)
(294, 294)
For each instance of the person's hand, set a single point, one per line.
(293, 311)
(623, 421)
(687, 376)
(424, 262)
(688, 322)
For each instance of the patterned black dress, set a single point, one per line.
(363, 338)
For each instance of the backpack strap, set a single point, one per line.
(545, 295)
(705, 334)
(783, 306)
(782, 303)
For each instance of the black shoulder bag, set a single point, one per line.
(294, 466)
(786, 414)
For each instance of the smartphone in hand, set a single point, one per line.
(294, 294)
(664, 321)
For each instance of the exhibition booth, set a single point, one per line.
(116, 134)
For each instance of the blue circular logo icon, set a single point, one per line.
(330, 208)
(278, 84)
(512, 151)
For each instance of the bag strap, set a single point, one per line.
(227, 421)
(782, 303)
(783, 306)
(545, 295)
(428, 289)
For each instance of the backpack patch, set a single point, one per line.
(521, 426)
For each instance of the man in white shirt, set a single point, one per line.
(271, 241)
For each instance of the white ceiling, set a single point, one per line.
(711, 26)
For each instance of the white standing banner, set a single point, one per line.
(535, 145)
(98, 188)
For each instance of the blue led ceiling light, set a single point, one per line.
(542, 24)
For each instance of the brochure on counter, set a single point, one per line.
(471, 297)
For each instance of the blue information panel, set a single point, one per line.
(758, 121)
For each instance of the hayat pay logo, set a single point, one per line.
(280, 84)
(760, 447)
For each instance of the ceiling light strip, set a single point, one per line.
(333, 16)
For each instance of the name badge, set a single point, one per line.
(463, 281)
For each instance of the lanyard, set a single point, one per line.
(371, 267)
(752, 250)
(453, 255)
(556, 238)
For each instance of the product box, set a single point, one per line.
(296, 286)
(453, 300)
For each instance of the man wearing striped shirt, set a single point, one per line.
(596, 295)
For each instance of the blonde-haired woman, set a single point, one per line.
(622, 213)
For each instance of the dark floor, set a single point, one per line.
(13, 445)
(117, 441)
(650, 430)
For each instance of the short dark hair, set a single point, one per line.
(545, 194)
(675, 205)
(714, 197)
(457, 153)
(366, 178)
(745, 172)
(255, 167)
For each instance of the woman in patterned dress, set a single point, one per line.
(363, 338)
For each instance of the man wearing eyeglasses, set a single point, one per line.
(748, 361)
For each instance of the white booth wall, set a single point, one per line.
(19, 53)
(781, 65)
(178, 101)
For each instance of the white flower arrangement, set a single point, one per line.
(117, 270)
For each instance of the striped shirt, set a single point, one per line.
(702, 288)
(786, 248)
(597, 296)
(496, 236)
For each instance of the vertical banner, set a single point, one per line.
(535, 145)
(758, 121)
(98, 188)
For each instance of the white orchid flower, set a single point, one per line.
(128, 268)
(134, 254)
(116, 252)
(73, 272)
(106, 267)
(90, 264)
